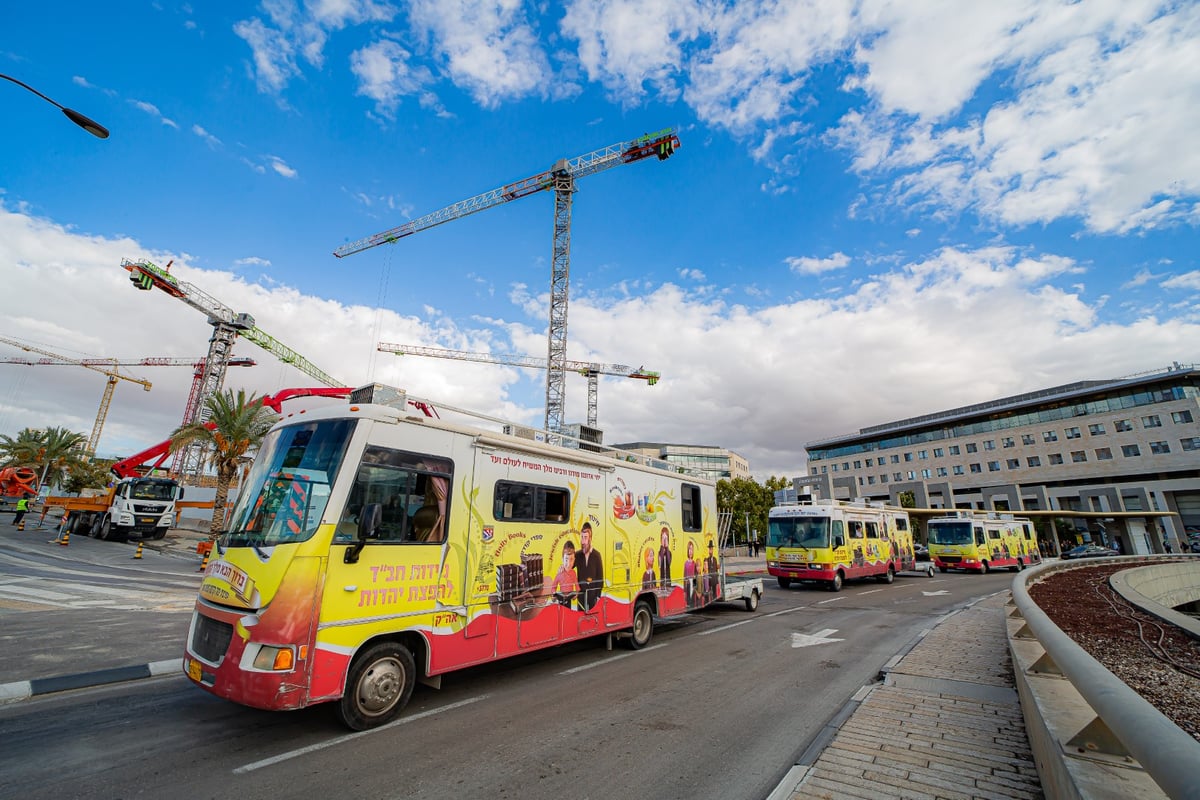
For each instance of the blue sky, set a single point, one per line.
(878, 210)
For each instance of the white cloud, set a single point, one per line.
(692, 274)
(280, 166)
(153, 111)
(252, 261)
(209, 139)
(1188, 280)
(489, 48)
(815, 266)
(386, 75)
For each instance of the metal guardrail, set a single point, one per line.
(1168, 754)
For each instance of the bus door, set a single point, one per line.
(401, 575)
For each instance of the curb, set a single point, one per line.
(23, 690)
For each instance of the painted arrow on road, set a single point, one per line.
(807, 639)
(935, 594)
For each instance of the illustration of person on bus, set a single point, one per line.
(664, 559)
(590, 569)
(690, 586)
(566, 583)
(648, 580)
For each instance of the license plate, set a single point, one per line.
(146, 520)
(194, 669)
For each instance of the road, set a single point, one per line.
(719, 706)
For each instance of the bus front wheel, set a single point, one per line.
(835, 585)
(889, 577)
(378, 686)
(983, 567)
(784, 582)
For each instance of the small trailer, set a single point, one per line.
(746, 588)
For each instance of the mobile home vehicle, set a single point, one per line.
(982, 541)
(835, 541)
(371, 548)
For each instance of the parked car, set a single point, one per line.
(1089, 551)
(921, 551)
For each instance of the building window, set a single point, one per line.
(908, 456)
(958, 469)
(858, 465)
(1073, 433)
(993, 466)
(971, 448)
(922, 454)
(883, 478)
(896, 476)
(1008, 441)
(1130, 450)
(1056, 458)
(845, 466)
(941, 472)
(896, 459)
(835, 467)
(870, 480)
(1180, 417)
(1078, 456)
(1122, 425)
(1049, 436)
(989, 444)
(938, 452)
(1103, 454)
(926, 474)
(870, 462)
(1034, 461)
(912, 476)
(824, 469)
(976, 469)
(1152, 421)
(1160, 448)
(954, 450)
(1190, 444)
(1026, 438)
(1096, 429)
(1014, 463)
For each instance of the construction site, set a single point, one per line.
(160, 472)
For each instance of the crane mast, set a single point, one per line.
(227, 326)
(561, 179)
(106, 399)
(589, 369)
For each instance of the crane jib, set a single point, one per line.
(661, 144)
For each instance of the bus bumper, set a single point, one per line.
(802, 572)
(220, 657)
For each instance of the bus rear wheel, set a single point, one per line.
(378, 686)
(887, 578)
(643, 626)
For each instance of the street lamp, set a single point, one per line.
(88, 124)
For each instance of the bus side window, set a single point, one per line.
(901, 523)
(839, 536)
(856, 528)
(872, 530)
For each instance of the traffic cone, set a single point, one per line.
(21, 524)
(204, 563)
(138, 554)
(66, 538)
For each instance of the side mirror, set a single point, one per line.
(839, 541)
(369, 520)
(179, 496)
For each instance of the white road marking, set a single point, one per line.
(726, 627)
(312, 748)
(785, 611)
(831, 600)
(608, 660)
(821, 637)
(935, 594)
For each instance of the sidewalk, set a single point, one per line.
(921, 735)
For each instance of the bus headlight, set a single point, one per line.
(275, 659)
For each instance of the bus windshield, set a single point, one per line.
(285, 494)
(950, 533)
(810, 532)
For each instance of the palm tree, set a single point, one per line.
(54, 452)
(235, 428)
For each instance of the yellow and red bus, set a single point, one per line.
(831, 542)
(978, 541)
(371, 548)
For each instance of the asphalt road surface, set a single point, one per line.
(719, 706)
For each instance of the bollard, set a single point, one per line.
(21, 524)
(138, 554)
(204, 563)
(66, 539)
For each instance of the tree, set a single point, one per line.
(749, 503)
(53, 452)
(235, 429)
(88, 475)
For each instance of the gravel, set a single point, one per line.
(1157, 660)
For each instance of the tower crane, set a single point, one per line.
(589, 369)
(227, 326)
(560, 179)
(109, 370)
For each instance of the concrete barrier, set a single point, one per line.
(1092, 736)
